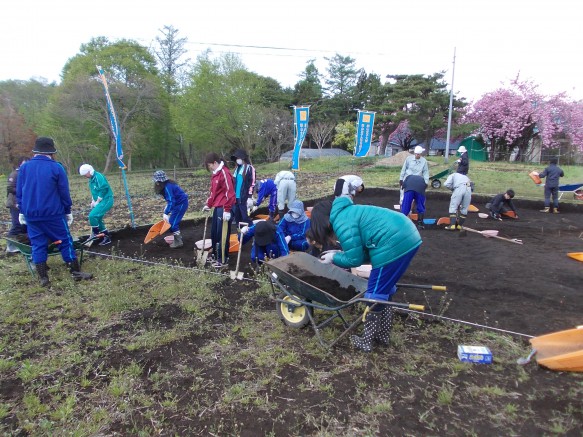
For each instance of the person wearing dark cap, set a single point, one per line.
(42, 191)
(268, 241)
(16, 229)
(244, 175)
(176, 204)
(101, 201)
(553, 173)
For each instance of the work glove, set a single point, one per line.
(250, 203)
(226, 216)
(287, 239)
(22, 219)
(93, 203)
(535, 173)
(254, 209)
(327, 257)
(166, 217)
(70, 219)
(206, 208)
(244, 230)
(401, 184)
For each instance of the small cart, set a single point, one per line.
(297, 299)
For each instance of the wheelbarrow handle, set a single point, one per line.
(425, 287)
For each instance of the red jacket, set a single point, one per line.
(222, 189)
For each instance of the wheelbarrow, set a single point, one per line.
(435, 181)
(25, 249)
(337, 291)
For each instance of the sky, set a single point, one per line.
(494, 41)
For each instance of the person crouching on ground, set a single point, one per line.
(501, 203)
(176, 204)
(294, 226)
(244, 175)
(42, 192)
(348, 186)
(386, 239)
(552, 173)
(221, 198)
(101, 201)
(461, 197)
(414, 190)
(268, 241)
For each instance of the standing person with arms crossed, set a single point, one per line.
(222, 198)
(42, 191)
(101, 201)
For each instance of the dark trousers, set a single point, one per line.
(240, 212)
(16, 228)
(554, 192)
(216, 234)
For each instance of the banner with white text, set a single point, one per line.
(364, 128)
(301, 119)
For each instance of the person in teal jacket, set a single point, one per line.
(101, 201)
(386, 239)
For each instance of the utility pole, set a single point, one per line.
(450, 111)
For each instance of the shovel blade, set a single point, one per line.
(154, 231)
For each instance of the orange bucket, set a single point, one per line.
(535, 178)
(233, 243)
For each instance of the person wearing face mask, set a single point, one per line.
(244, 175)
(294, 226)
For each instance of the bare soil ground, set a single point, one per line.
(530, 288)
(238, 371)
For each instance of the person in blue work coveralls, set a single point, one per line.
(386, 239)
(101, 201)
(176, 204)
(42, 192)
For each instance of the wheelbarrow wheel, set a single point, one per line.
(291, 314)
(435, 183)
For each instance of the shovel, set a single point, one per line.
(156, 230)
(202, 254)
(493, 234)
(236, 274)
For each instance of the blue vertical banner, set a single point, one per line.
(364, 127)
(301, 120)
(116, 132)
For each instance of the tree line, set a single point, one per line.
(173, 111)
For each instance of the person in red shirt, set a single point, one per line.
(221, 200)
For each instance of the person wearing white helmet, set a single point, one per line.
(414, 165)
(463, 163)
(101, 201)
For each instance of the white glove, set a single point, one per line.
(535, 173)
(327, 257)
(166, 217)
(244, 230)
(93, 203)
(459, 161)
(250, 203)
(254, 208)
(226, 216)
(206, 208)
(287, 239)
(22, 219)
(70, 219)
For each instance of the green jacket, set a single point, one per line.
(100, 188)
(370, 234)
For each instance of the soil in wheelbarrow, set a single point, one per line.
(531, 288)
(329, 285)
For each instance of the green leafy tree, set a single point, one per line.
(77, 114)
(308, 91)
(344, 136)
(340, 84)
